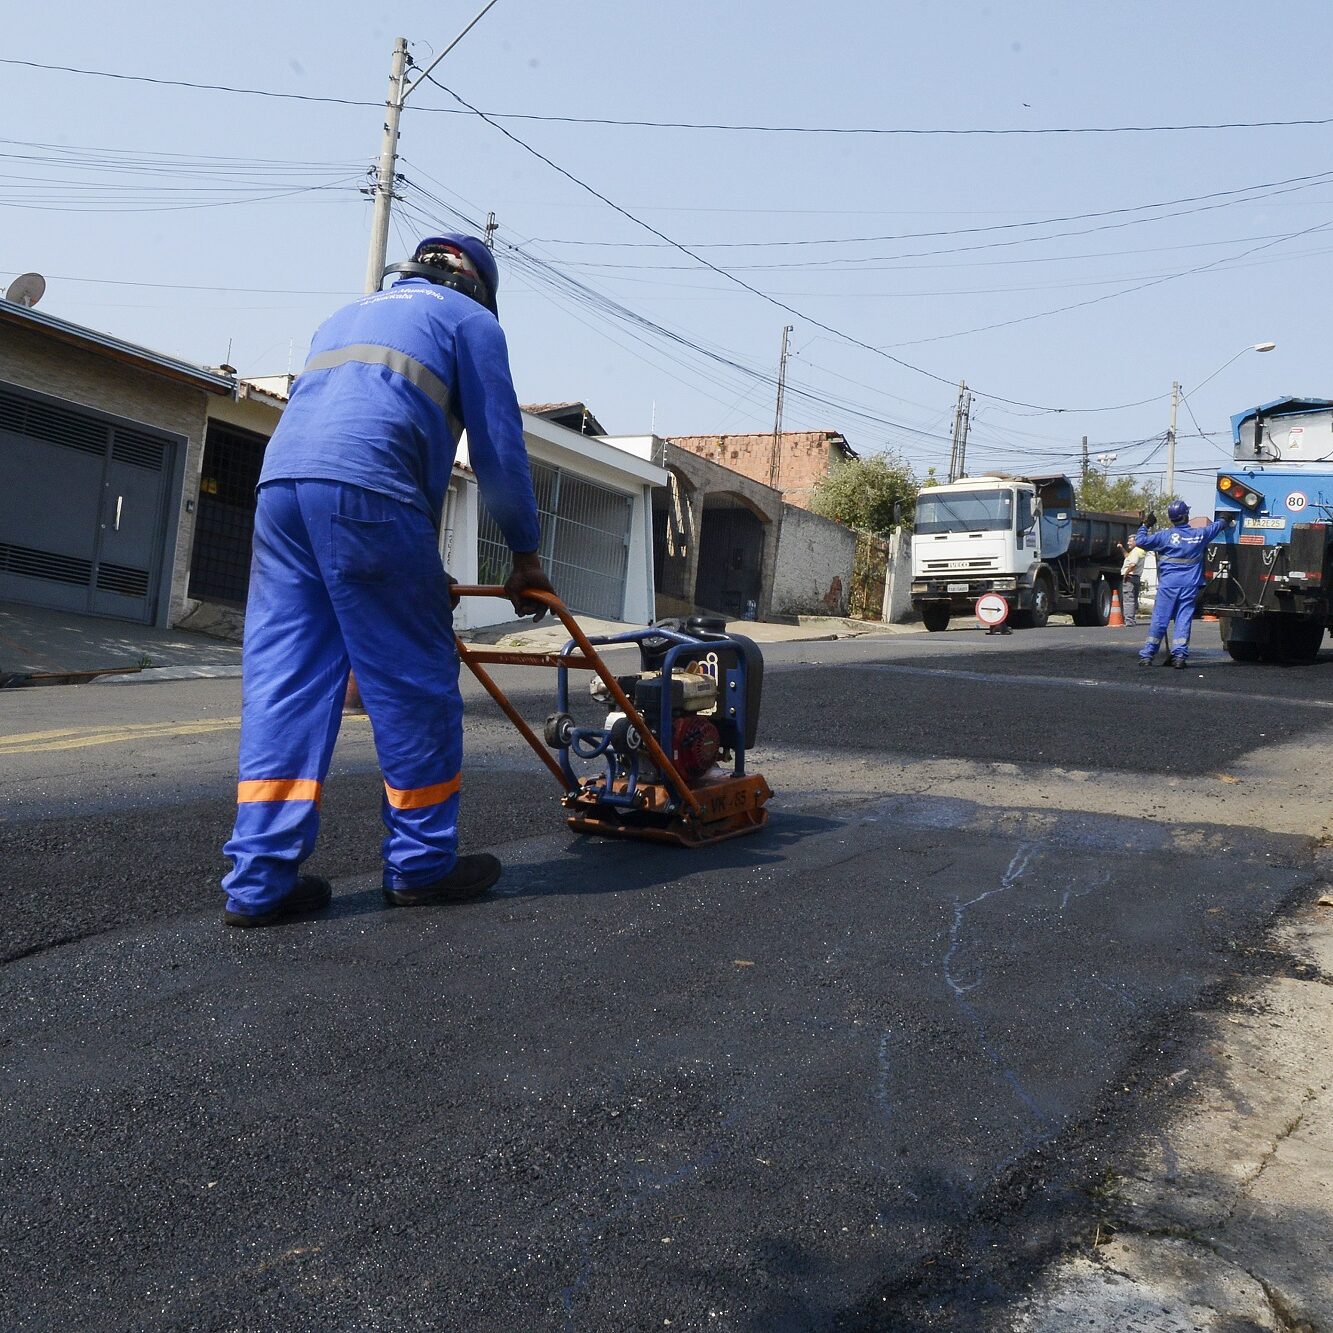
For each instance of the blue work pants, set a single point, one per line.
(342, 576)
(1171, 603)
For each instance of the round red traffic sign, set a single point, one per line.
(992, 609)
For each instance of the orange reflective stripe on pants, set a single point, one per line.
(278, 789)
(415, 798)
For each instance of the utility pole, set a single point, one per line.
(1085, 462)
(399, 91)
(774, 469)
(962, 417)
(491, 225)
(382, 190)
(1170, 486)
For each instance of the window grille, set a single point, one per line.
(585, 541)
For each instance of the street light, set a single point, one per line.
(1170, 483)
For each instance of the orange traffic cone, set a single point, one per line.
(1117, 616)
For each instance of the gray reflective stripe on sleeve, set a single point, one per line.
(412, 370)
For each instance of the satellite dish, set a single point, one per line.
(26, 289)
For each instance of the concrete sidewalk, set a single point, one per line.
(1223, 1221)
(44, 647)
(40, 646)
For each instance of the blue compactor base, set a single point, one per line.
(667, 760)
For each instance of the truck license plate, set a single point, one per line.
(955, 587)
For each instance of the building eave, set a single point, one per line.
(594, 447)
(116, 349)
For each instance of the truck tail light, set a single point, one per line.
(1245, 496)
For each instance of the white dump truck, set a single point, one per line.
(1022, 538)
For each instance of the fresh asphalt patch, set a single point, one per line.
(749, 1087)
(942, 709)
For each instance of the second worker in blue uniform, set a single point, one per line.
(1180, 551)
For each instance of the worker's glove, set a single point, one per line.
(454, 598)
(1150, 520)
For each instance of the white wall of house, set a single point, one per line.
(590, 457)
(813, 573)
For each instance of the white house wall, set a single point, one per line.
(582, 456)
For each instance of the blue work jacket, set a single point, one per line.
(1180, 551)
(391, 382)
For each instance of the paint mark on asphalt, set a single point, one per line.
(1018, 865)
(882, 1078)
(80, 738)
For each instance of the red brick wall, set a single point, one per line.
(803, 458)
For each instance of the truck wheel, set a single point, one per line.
(1098, 610)
(1036, 616)
(935, 617)
(1242, 650)
(1101, 603)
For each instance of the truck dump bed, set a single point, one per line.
(1095, 536)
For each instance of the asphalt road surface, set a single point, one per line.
(809, 1079)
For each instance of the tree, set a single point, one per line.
(863, 492)
(1120, 495)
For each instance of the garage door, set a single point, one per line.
(83, 501)
(585, 541)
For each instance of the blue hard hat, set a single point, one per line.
(1178, 511)
(475, 249)
(472, 248)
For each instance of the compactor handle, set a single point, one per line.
(547, 599)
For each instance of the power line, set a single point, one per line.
(677, 346)
(858, 263)
(1316, 178)
(905, 131)
(740, 282)
(1111, 296)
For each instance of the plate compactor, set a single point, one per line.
(668, 759)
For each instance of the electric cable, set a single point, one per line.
(740, 282)
(693, 125)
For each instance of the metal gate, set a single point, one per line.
(83, 502)
(731, 560)
(224, 527)
(585, 541)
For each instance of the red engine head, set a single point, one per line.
(694, 744)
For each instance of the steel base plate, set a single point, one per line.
(730, 808)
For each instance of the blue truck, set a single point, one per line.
(1270, 577)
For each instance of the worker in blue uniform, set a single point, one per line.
(346, 574)
(1180, 551)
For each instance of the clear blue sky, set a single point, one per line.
(102, 176)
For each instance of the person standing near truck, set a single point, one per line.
(1180, 552)
(1131, 579)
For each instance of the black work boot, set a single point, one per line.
(311, 894)
(470, 878)
(1178, 663)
